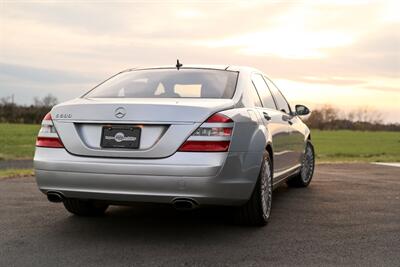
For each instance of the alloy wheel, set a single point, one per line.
(308, 164)
(266, 190)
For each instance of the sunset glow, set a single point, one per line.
(343, 53)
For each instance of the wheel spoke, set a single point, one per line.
(266, 190)
(307, 164)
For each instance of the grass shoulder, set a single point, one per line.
(12, 173)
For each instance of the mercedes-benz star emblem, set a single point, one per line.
(120, 112)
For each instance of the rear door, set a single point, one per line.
(275, 124)
(295, 141)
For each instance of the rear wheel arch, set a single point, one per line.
(269, 149)
(256, 211)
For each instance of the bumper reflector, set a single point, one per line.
(205, 146)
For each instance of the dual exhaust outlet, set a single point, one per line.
(178, 203)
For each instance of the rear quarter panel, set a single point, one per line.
(248, 134)
(247, 147)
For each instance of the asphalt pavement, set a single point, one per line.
(16, 164)
(350, 215)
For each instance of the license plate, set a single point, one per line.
(120, 137)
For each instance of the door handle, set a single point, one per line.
(266, 116)
(287, 118)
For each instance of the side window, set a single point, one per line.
(263, 91)
(280, 99)
(254, 96)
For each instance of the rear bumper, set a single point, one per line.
(208, 178)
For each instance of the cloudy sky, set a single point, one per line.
(343, 53)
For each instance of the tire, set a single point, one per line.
(304, 177)
(257, 210)
(84, 207)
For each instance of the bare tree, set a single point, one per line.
(330, 118)
(329, 113)
(367, 114)
(47, 101)
(5, 100)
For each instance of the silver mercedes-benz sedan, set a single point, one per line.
(188, 136)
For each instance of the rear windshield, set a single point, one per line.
(168, 83)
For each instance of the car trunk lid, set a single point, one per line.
(165, 123)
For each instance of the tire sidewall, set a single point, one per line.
(309, 145)
(267, 215)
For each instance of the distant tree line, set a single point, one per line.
(323, 118)
(13, 113)
(363, 119)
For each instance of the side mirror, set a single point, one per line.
(302, 110)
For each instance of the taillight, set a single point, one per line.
(49, 142)
(214, 135)
(48, 136)
(219, 118)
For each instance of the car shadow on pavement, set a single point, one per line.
(162, 222)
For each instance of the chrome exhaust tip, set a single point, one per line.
(184, 204)
(55, 197)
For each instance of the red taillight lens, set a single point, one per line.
(219, 118)
(47, 117)
(205, 146)
(48, 136)
(213, 135)
(49, 142)
(227, 131)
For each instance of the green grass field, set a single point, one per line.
(356, 146)
(17, 141)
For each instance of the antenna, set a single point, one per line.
(178, 65)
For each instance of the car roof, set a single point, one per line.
(198, 66)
